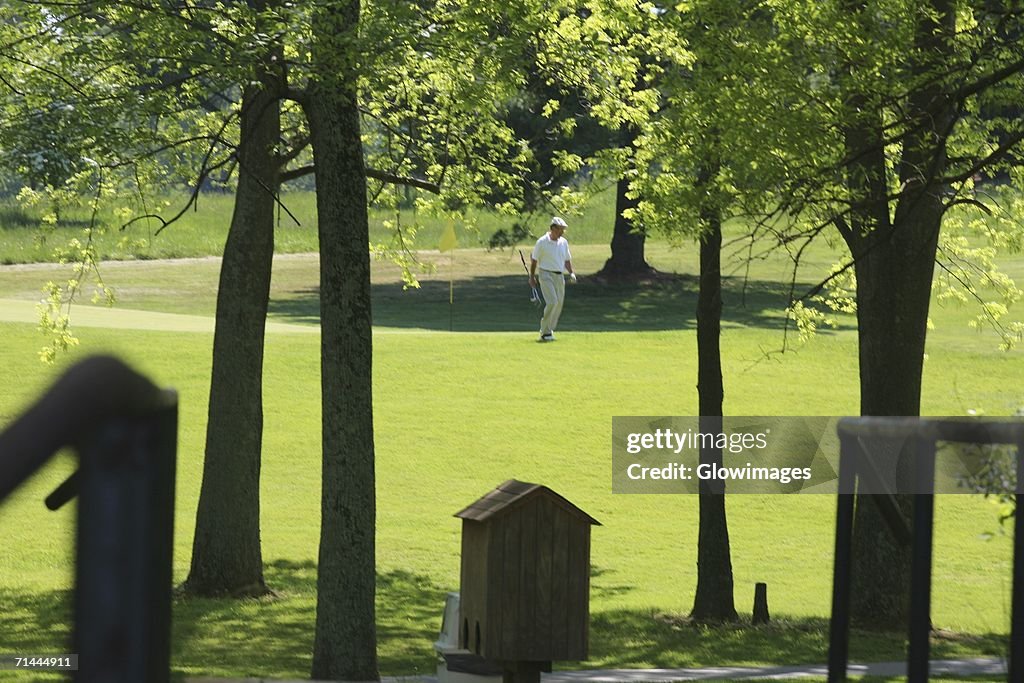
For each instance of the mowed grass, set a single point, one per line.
(203, 230)
(458, 412)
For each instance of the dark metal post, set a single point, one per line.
(924, 435)
(125, 430)
(1016, 666)
(921, 559)
(124, 545)
(839, 627)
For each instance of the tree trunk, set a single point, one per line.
(894, 262)
(345, 642)
(894, 281)
(893, 291)
(226, 555)
(713, 601)
(627, 260)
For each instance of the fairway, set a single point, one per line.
(587, 312)
(457, 412)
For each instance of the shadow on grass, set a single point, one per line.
(630, 638)
(602, 589)
(273, 637)
(267, 637)
(13, 217)
(502, 303)
(36, 621)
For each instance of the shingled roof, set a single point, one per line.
(511, 494)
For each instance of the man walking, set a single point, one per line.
(551, 255)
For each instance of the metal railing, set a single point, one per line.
(124, 429)
(922, 436)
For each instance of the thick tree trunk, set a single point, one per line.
(226, 555)
(345, 643)
(895, 262)
(713, 600)
(893, 292)
(627, 260)
(892, 297)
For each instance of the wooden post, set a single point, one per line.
(761, 603)
(524, 672)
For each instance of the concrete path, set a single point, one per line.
(119, 318)
(945, 667)
(950, 667)
(83, 315)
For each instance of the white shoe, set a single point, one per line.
(547, 337)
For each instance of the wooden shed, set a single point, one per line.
(525, 583)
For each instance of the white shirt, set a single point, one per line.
(551, 255)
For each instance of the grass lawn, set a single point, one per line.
(458, 412)
(204, 230)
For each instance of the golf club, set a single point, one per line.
(534, 294)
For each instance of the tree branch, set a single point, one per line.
(384, 176)
(987, 161)
(971, 201)
(296, 149)
(403, 180)
(988, 81)
(164, 222)
(296, 173)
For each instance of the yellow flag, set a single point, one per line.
(448, 241)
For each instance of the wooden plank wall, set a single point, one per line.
(530, 583)
(541, 643)
(473, 589)
(560, 533)
(579, 592)
(511, 586)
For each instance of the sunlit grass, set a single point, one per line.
(203, 231)
(457, 413)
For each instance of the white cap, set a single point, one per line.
(559, 222)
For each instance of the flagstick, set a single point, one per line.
(448, 243)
